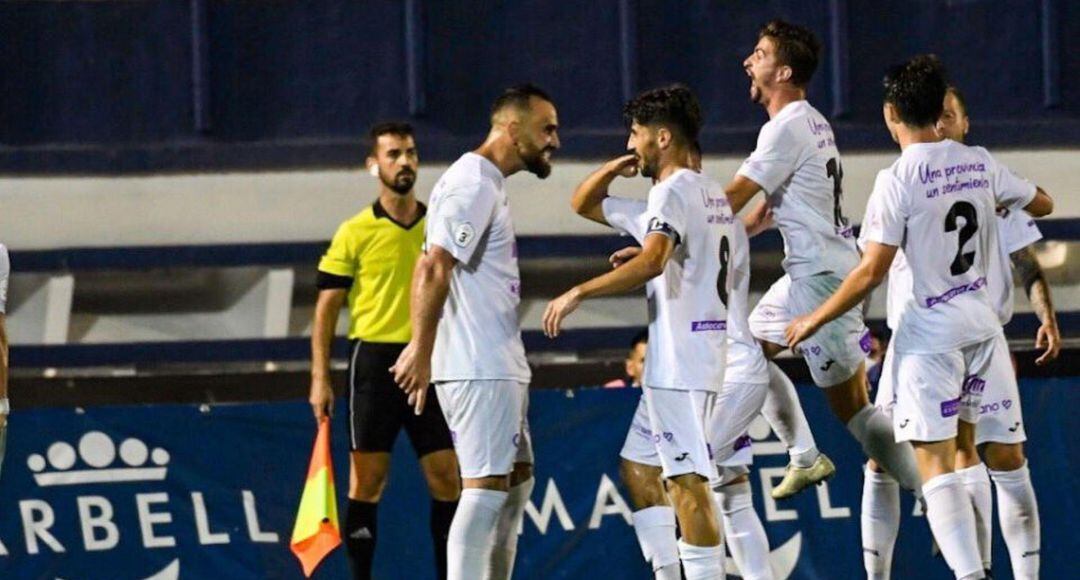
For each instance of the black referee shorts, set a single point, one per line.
(378, 409)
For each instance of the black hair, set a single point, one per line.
(796, 47)
(917, 89)
(399, 128)
(640, 337)
(518, 97)
(673, 106)
(960, 98)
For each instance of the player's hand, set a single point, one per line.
(800, 329)
(321, 397)
(412, 373)
(625, 166)
(1049, 338)
(624, 255)
(557, 311)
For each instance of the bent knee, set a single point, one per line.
(1004, 457)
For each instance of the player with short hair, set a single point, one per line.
(467, 335)
(1000, 431)
(634, 364)
(686, 232)
(797, 165)
(369, 266)
(938, 195)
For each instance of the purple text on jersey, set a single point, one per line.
(950, 408)
(707, 325)
(954, 292)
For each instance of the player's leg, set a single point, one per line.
(431, 439)
(679, 422)
(879, 517)
(928, 409)
(376, 411)
(653, 517)
(483, 424)
(1000, 436)
(504, 550)
(743, 532)
(977, 487)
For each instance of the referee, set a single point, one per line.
(370, 264)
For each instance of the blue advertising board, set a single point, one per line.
(187, 491)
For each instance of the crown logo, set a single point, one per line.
(98, 452)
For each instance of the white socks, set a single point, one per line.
(655, 530)
(880, 519)
(784, 413)
(977, 486)
(468, 549)
(702, 562)
(1018, 514)
(505, 541)
(743, 532)
(874, 431)
(952, 520)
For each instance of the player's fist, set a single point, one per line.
(321, 397)
(1049, 338)
(558, 309)
(624, 255)
(412, 373)
(800, 329)
(626, 165)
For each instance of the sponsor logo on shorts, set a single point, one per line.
(905, 423)
(708, 325)
(865, 343)
(742, 443)
(517, 439)
(668, 436)
(994, 407)
(828, 364)
(1014, 427)
(974, 384)
(954, 292)
(950, 408)
(684, 455)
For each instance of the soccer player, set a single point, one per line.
(1000, 432)
(686, 232)
(5, 271)
(634, 364)
(937, 202)
(797, 165)
(369, 265)
(467, 336)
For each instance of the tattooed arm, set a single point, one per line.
(1026, 269)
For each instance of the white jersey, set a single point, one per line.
(798, 166)
(1016, 231)
(479, 334)
(745, 359)
(5, 272)
(937, 203)
(688, 301)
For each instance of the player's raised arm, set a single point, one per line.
(740, 190)
(589, 196)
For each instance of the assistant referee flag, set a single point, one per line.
(316, 532)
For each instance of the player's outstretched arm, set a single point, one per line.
(740, 191)
(865, 277)
(1042, 205)
(327, 307)
(646, 265)
(758, 219)
(589, 196)
(1027, 270)
(431, 284)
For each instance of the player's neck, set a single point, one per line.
(500, 151)
(669, 169)
(402, 208)
(782, 98)
(911, 135)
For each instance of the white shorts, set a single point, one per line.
(835, 352)
(488, 424)
(737, 405)
(677, 425)
(933, 391)
(1000, 418)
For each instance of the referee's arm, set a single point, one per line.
(327, 308)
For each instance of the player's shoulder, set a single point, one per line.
(470, 174)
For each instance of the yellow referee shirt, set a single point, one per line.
(374, 255)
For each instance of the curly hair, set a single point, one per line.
(917, 89)
(796, 47)
(674, 107)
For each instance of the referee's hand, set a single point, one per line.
(412, 373)
(321, 397)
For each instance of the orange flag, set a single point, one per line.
(316, 532)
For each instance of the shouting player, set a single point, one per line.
(466, 333)
(937, 202)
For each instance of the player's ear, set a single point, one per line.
(663, 137)
(372, 166)
(783, 74)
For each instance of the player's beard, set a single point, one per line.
(402, 183)
(537, 164)
(647, 167)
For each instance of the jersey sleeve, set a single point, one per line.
(1010, 190)
(624, 214)
(666, 213)
(773, 160)
(5, 272)
(342, 258)
(886, 215)
(458, 222)
(1018, 230)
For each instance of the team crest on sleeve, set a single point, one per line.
(464, 234)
